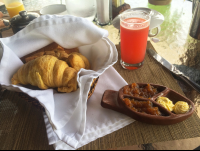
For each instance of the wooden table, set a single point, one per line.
(22, 125)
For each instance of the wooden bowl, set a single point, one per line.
(114, 100)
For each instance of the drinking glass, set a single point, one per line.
(14, 7)
(134, 29)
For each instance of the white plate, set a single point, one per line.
(156, 18)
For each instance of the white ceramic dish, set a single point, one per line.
(55, 9)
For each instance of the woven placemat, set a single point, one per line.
(22, 126)
(141, 133)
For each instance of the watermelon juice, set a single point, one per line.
(134, 33)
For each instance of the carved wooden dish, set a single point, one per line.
(114, 100)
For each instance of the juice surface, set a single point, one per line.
(134, 40)
(14, 8)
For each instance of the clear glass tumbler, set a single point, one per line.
(134, 29)
(81, 8)
(14, 7)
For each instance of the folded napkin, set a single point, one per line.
(99, 121)
(65, 111)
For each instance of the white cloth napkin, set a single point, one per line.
(66, 112)
(99, 121)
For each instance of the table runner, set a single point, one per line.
(22, 125)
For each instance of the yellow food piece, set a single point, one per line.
(78, 61)
(181, 107)
(165, 102)
(47, 72)
(85, 60)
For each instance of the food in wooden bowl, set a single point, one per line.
(139, 101)
(180, 107)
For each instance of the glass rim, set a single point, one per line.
(148, 20)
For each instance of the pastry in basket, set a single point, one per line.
(59, 52)
(78, 61)
(47, 72)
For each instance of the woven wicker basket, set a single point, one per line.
(49, 48)
(39, 106)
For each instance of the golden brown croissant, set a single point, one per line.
(47, 72)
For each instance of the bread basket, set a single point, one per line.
(39, 106)
(50, 47)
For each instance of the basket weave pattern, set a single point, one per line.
(36, 103)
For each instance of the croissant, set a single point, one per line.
(47, 72)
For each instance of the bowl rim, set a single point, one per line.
(48, 7)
